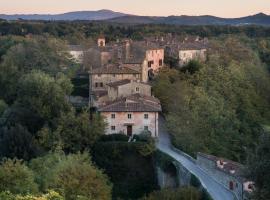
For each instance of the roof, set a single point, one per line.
(100, 93)
(229, 167)
(112, 69)
(118, 83)
(133, 103)
(193, 46)
(75, 48)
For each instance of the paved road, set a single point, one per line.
(217, 191)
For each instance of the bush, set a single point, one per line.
(114, 137)
(132, 174)
(16, 177)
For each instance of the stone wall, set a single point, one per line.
(137, 121)
(108, 78)
(187, 55)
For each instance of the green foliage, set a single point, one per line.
(259, 165)
(51, 195)
(74, 132)
(114, 137)
(17, 142)
(73, 176)
(81, 86)
(131, 173)
(183, 193)
(16, 177)
(41, 53)
(43, 94)
(192, 67)
(3, 107)
(220, 108)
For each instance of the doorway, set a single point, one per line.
(129, 130)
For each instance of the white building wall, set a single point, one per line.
(187, 55)
(137, 121)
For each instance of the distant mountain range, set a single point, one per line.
(117, 17)
(79, 15)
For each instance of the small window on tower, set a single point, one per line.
(96, 84)
(137, 89)
(129, 116)
(113, 116)
(101, 84)
(145, 116)
(113, 128)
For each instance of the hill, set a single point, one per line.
(79, 15)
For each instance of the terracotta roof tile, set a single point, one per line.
(114, 70)
(118, 83)
(133, 103)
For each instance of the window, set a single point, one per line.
(146, 128)
(113, 116)
(150, 63)
(96, 84)
(113, 128)
(160, 62)
(145, 116)
(129, 116)
(137, 89)
(101, 84)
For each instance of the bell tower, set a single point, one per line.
(101, 42)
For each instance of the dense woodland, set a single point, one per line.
(50, 150)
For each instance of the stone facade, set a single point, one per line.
(77, 52)
(195, 54)
(120, 122)
(127, 88)
(227, 173)
(99, 78)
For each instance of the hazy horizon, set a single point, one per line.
(222, 8)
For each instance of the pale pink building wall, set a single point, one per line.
(138, 122)
(155, 56)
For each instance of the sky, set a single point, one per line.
(221, 8)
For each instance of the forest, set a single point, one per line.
(50, 150)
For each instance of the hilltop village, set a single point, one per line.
(120, 74)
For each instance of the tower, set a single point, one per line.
(101, 42)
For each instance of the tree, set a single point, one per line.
(16, 177)
(220, 108)
(17, 142)
(184, 193)
(73, 132)
(44, 54)
(3, 107)
(74, 176)
(43, 94)
(51, 195)
(259, 165)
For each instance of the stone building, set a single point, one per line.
(228, 173)
(100, 77)
(77, 52)
(131, 115)
(191, 52)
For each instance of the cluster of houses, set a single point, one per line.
(119, 75)
(119, 89)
